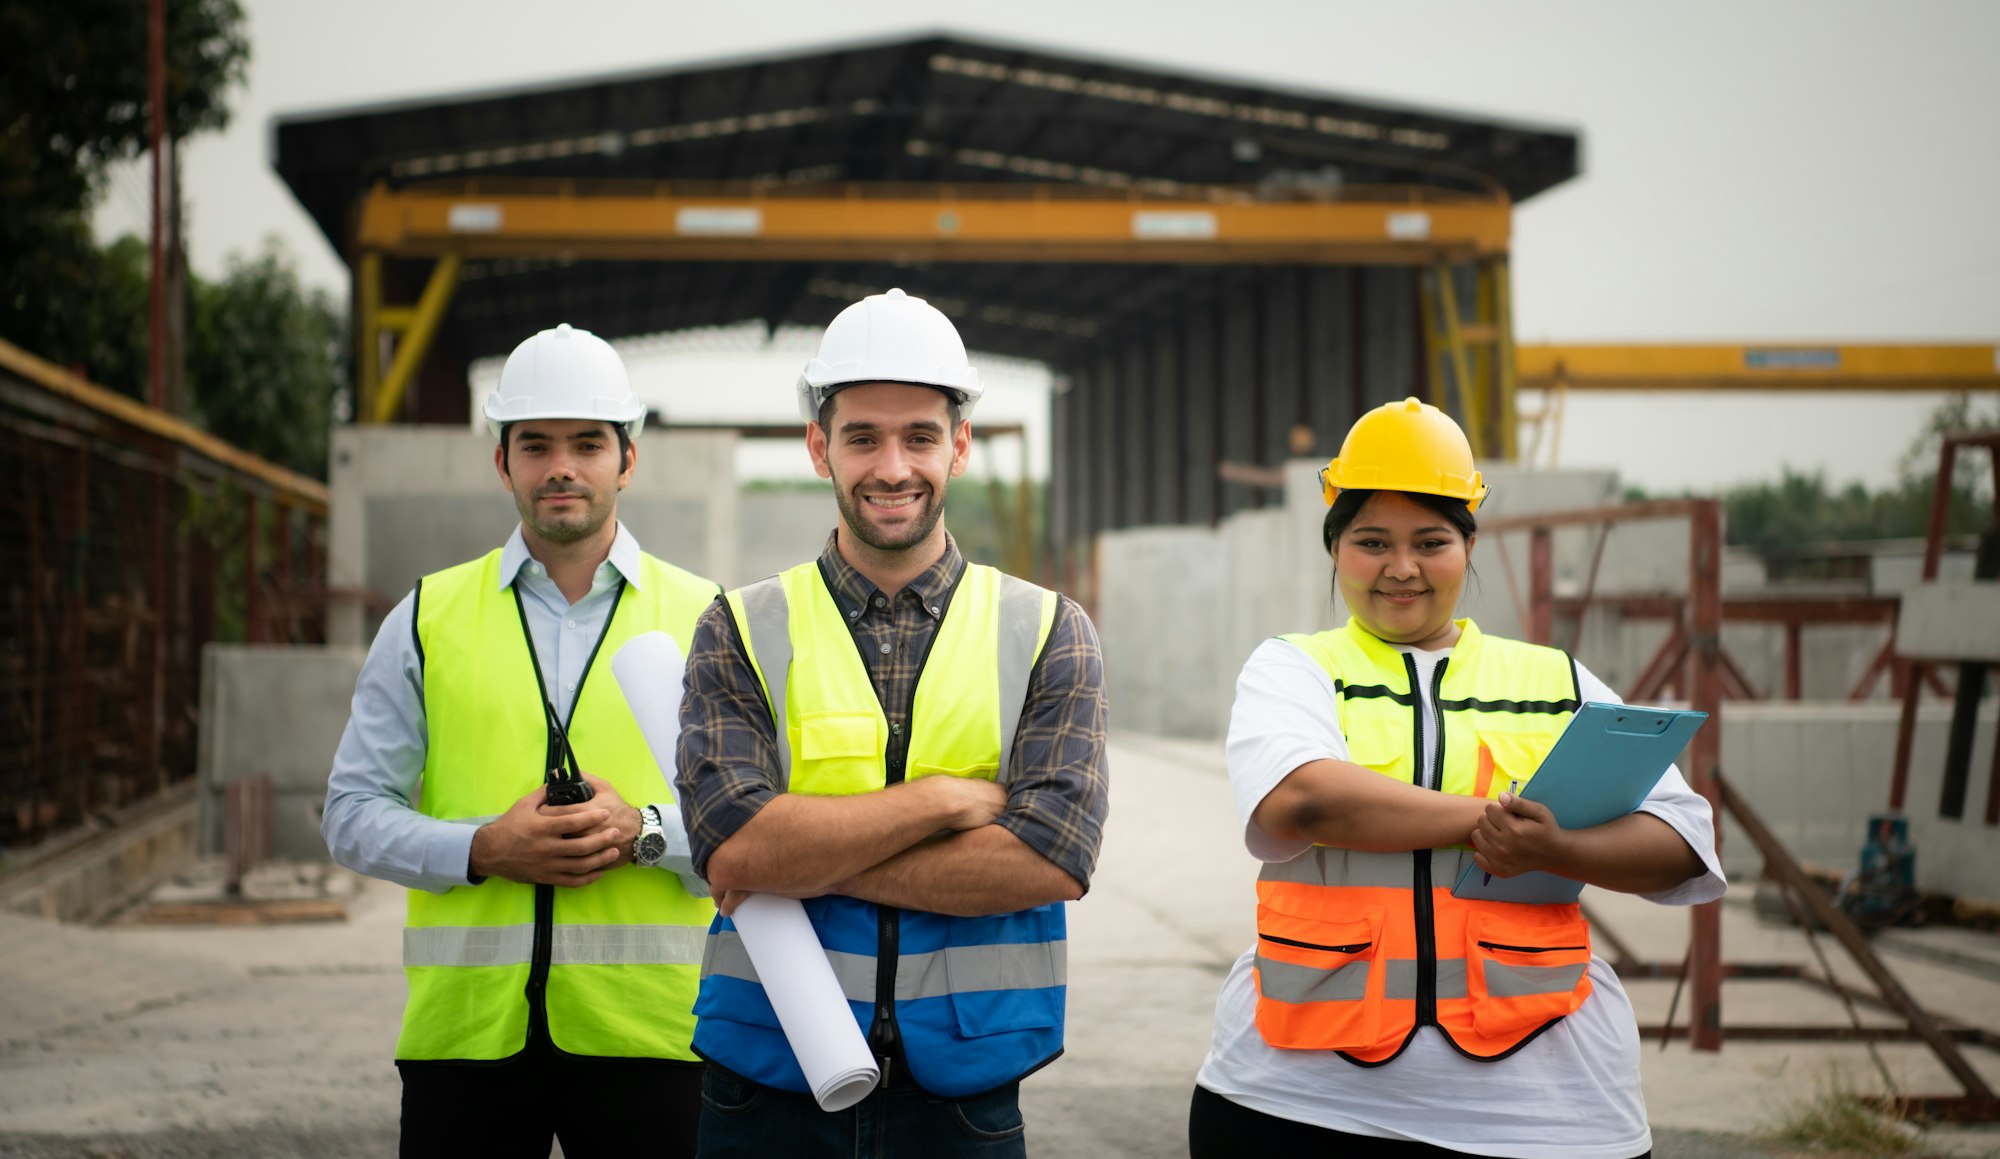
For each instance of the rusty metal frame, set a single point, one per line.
(1701, 626)
(1921, 670)
(1698, 628)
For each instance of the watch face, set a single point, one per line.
(649, 848)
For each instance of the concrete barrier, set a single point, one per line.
(1815, 771)
(409, 500)
(278, 711)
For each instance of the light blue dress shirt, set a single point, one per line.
(370, 824)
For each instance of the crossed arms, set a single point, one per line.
(941, 844)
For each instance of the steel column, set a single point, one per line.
(416, 338)
(1705, 693)
(1541, 586)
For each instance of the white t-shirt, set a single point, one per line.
(1580, 1098)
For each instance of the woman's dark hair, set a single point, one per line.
(1351, 500)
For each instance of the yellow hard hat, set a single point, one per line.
(1405, 446)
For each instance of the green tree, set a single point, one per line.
(1799, 509)
(73, 99)
(266, 360)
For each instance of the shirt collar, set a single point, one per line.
(624, 557)
(852, 590)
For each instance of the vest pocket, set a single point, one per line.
(1385, 750)
(1507, 756)
(838, 751)
(1525, 969)
(1315, 975)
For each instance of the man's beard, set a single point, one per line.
(573, 526)
(855, 514)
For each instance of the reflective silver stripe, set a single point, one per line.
(626, 945)
(1400, 982)
(568, 945)
(468, 945)
(770, 628)
(1324, 865)
(1447, 864)
(1289, 982)
(957, 969)
(1504, 981)
(1020, 625)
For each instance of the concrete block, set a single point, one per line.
(1157, 622)
(279, 711)
(778, 529)
(1950, 620)
(1817, 771)
(408, 500)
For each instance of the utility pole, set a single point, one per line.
(156, 85)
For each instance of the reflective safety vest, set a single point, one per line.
(976, 1002)
(1356, 951)
(609, 969)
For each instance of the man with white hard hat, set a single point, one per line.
(552, 951)
(914, 746)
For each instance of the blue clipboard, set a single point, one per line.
(1600, 769)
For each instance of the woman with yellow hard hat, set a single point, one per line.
(1369, 764)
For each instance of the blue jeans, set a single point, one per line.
(741, 1119)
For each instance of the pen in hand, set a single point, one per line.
(1513, 787)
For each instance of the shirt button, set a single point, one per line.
(571, 625)
(880, 602)
(897, 729)
(885, 648)
(934, 610)
(856, 612)
(534, 569)
(571, 686)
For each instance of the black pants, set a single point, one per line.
(1220, 1129)
(598, 1107)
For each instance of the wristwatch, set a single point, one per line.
(651, 843)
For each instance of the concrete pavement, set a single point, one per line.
(156, 1041)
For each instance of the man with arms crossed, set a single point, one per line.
(912, 744)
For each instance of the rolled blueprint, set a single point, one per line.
(776, 934)
(814, 1013)
(648, 669)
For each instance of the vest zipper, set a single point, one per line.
(885, 1037)
(1425, 916)
(537, 990)
(1528, 949)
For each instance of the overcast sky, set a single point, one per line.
(1794, 170)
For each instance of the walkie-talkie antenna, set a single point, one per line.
(565, 782)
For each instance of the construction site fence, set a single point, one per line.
(137, 540)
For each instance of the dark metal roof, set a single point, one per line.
(924, 108)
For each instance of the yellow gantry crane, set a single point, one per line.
(1557, 369)
(1459, 243)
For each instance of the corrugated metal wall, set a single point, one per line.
(1143, 423)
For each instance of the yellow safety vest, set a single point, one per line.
(1355, 950)
(976, 1002)
(613, 966)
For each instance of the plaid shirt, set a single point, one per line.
(1056, 800)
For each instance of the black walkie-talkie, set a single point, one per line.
(565, 780)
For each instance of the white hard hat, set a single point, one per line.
(565, 373)
(889, 337)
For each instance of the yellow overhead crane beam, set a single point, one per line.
(1401, 226)
(1434, 230)
(1819, 367)
(1816, 366)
